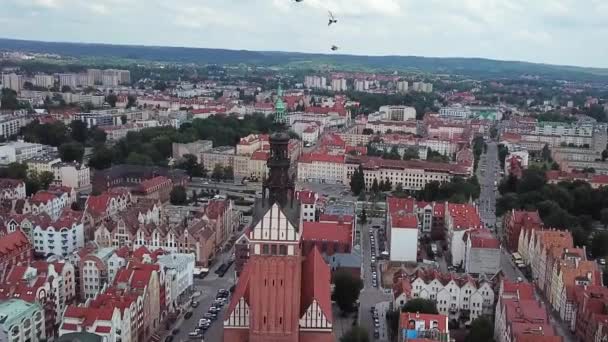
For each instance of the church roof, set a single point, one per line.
(316, 282)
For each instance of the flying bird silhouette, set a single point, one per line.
(332, 19)
(334, 48)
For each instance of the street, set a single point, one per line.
(208, 288)
(370, 295)
(487, 173)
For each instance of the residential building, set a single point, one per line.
(308, 205)
(456, 296)
(10, 125)
(51, 202)
(328, 237)
(12, 81)
(339, 84)
(157, 188)
(67, 80)
(179, 270)
(12, 189)
(422, 87)
(455, 112)
(222, 156)
(423, 327)
(277, 271)
(73, 175)
(482, 252)
(315, 82)
(398, 113)
(322, 168)
(94, 76)
(131, 175)
(46, 81)
(19, 151)
(591, 319)
(96, 119)
(60, 237)
(94, 272)
(104, 322)
(383, 127)
(402, 226)
(460, 219)
(21, 321)
(194, 148)
(15, 248)
(402, 87)
(517, 221)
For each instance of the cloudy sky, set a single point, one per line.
(571, 32)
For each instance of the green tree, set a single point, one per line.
(355, 334)
(9, 100)
(357, 181)
(194, 197)
(393, 154)
(190, 165)
(72, 151)
(135, 158)
(102, 158)
(131, 101)
(78, 131)
(346, 290)
(420, 305)
(410, 153)
(604, 155)
(546, 153)
(178, 195)
(123, 119)
(375, 186)
(98, 136)
(363, 216)
(604, 216)
(580, 237)
(218, 172)
(66, 89)
(45, 179)
(228, 173)
(599, 244)
(111, 99)
(482, 330)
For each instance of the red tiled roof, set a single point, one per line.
(148, 184)
(13, 241)
(441, 320)
(327, 231)
(336, 218)
(215, 209)
(396, 204)
(321, 157)
(523, 291)
(103, 329)
(464, 216)
(260, 155)
(43, 197)
(483, 238)
(316, 282)
(306, 197)
(69, 326)
(403, 220)
(7, 183)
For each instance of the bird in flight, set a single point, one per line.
(299, 0)
(334, 48)
(332, 19)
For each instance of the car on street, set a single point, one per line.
(602, 261)
(188, 315)
(194, 304)
(214, 309)
(169, 338)
(376, 333)
(195, 334)
(210, 316)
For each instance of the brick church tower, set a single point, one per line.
(281, 295)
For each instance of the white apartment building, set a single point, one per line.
(73, 175)
(19, 151)
(454, 294)
(94, 76)
(403, 236)
(179, 270)
(21, 321)
(92, 320)
(339, 84)
(361, 85)
(460, 219)
(12, 189)
(12, 81)
(61, 237)
(94, 272)
(322, 168)
(422, 87)
(10, 125)
(46, 81)
(67, 80)
(398, 113)
(383, 127)
(403, 87)
(456, 112)
(315, 82)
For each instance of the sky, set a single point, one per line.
(567, 32)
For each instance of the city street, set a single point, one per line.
(371, 296)
(208, 288)
(487, 209)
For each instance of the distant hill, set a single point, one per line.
(477, 67)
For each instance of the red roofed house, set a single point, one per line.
(282, 295)
(157, 188)
(517, 220)
(308, 205)
(147, 281)
(101, 207)
(423, 327)
(403, 227)
(14, 248)
(482, 252)
(105, 321)
(591, 313)
(131, 306)
(328, 237)
(12, 189)
(459, 219)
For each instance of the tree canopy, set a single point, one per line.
(458, 190)
(346, 290)
(482, 330)
(178, 195)
(420, 305)
(355, 334)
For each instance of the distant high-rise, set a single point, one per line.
(315, 82)
(403, 86)
(12, 81)
(339, 84)
(94, 76)
(69, 80)
(46, 81)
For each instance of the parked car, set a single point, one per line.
(194, 304)
(188, 315)
(169, 338)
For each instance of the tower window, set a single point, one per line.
(273, 249)
(280, 320)
(282, 250)
(265, 249)
(264, 319)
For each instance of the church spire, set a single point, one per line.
(280, 116)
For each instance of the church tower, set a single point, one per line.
(279, 186)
